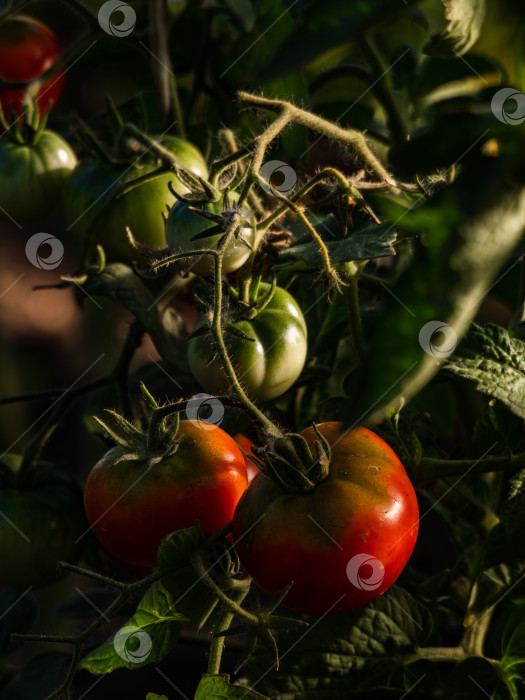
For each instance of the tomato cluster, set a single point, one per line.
(337, 544)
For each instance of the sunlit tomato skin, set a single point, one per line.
(28, 48)
(343, 544)
(267, 366)
(131, 507)
(142, 208)
(245, 445)
(33, 176)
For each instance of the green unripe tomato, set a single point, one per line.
(141, 209)
(267, 366)
(183, 224)
(32, 176)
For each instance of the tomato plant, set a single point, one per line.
(363, 515)
(28, 49)
(271, 356)
(142, 208)
(311, 277)
(42, 523)
(132, 504)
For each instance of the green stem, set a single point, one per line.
(218, 643)
(383, 90)
(162, 69)
(431, 469)
(437, 654)
(216, 327)
(354, 315)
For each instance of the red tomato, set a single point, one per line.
(132, 507)
(28, 48)
(342, 544)
(246, 445)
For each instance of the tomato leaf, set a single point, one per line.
(493, 360)
(372, 241)
(190, 595)
(326, 24)
(341, 654)
(446, 283)
(218, 687)
(120, 283)
(147, 637)
(464, 19)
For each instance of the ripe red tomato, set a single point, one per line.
(28, 48)
(245, 445)
(132, 507)
(342, 544)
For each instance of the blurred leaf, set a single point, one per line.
(346, 652)
(38, 678)
(445, 284)
(326, 24)
(498, 424)
(464, 19)
(153, 696)
(243, 11)
(372, 241)
(219, 688)
(493, 360)
(120, 283)
(513, 642)
(147, 637)
(177, 7)
(17, 614)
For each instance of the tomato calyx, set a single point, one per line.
(26, 132)
(151, 445)
(291, 464)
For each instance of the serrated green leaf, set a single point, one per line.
(493, 360)
(343, 653)
(190, 595)
(464, 19)
(373, 241)
(147, 637)
(219, 688)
